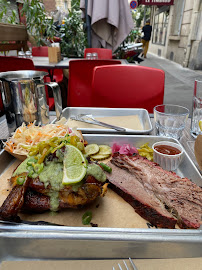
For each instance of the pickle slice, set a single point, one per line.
(99, 156)
(105, 150)
(91, 149)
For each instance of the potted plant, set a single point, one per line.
(39, 26)
(74, 39)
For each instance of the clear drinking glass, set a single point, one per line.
(28, 54)
(21, 54)
(89, 56)
(196, 116)
(170, 120)
(94, 56)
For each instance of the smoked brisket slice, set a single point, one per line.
(159, 196)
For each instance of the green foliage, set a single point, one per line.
(139, 15)
(75, 4)
(74, 40)
(5, 6)
(37, 23)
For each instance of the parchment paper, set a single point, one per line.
(130, 121)
(111, 211)
(146, 264)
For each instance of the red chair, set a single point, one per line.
(80, 81)
(127, 86)
(102, 53)
(40, 51)
(12, 63)
(43, 51)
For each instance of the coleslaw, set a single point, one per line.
(26, 136)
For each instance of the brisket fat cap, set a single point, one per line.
(161, 197)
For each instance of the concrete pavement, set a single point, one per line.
(179, 81)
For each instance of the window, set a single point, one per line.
(160, 27)
(66, 5)
(177, 17)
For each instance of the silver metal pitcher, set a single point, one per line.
(24, 98)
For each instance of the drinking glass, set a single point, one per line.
(94, 56)
(89, 56)
(196, 116)
(170, 120)
(28, 54)
(21, 54)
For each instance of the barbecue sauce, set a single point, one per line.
(167, 150)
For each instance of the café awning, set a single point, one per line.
(156, 2)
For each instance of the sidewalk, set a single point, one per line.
(179, 81)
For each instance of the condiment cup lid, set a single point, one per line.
(176, 145)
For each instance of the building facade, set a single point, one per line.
(52, 5)
(49, 5)
(177, 32)
(63, 4)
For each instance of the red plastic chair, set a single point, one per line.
(43, 51)
(40, 51)
(102, 53)
(12, 63)
(80, 81)
(127, 86)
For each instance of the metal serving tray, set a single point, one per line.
(37, 242)
(104, 112)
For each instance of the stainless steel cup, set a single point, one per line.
(24, 98)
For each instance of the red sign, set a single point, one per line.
(133, 4)
(156, 2)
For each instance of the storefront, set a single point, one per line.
(160, 25)
(177, 31)
(160, 13)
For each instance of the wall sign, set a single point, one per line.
(156, 2)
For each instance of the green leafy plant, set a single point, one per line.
(74, 39)
(37, 23)
(5, 6)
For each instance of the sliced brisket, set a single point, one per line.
(161, 197)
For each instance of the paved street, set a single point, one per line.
(179, 81)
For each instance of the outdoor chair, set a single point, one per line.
(12, 63)
(40, 51)
(127, 86)
(80, 81)
(43, 52)
(102, 53)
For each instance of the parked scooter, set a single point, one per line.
(131, 52)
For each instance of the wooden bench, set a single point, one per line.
(13, 37)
